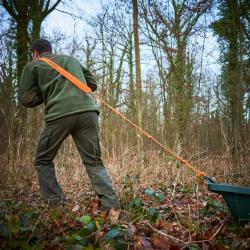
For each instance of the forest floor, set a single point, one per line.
(173, 217)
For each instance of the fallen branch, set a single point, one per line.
(182, 241)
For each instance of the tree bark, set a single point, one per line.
(230, 28)
(137, 71)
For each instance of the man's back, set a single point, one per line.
(60, 97)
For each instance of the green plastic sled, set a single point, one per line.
(237, 199)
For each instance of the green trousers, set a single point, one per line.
(84, 129)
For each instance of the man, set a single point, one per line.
(68, 111)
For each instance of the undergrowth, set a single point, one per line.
(163, 206)
(156, 216)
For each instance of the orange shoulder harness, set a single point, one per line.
(83, 86)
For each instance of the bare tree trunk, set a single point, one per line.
(131, 77)
(232, 18)
(23, 12)
(172, 24)
(137, 71)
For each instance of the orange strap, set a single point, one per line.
(169, 151)
(82, 86)
(86, 89)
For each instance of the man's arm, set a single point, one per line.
(91, 82)
(29, 94)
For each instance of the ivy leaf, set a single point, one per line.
(160, 196)
(149, 192)
(85, 219)
(90, 227)
(111, 234)
(154, 214)
(136, 202)
(152, 211)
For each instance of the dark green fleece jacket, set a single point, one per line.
(40, 83)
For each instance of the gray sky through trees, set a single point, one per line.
(82, 11)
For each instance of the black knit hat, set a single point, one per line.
(41, 45)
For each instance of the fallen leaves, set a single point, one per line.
(161, 242)
(192, 219)
(113, 215)
(75, 208)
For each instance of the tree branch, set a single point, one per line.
(9, 8)
(53, 7)
(68, 13)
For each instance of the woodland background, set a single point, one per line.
(201, 112)
(151, 61)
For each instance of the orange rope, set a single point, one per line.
(197, 171)
(86, 89)
(79, 84)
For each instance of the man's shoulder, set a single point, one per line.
(30, 65)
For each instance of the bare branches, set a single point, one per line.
(47, 10)
(9, 6)
(69, 13)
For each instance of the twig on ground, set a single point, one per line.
(182, 241)
(175, 183)
(164, 234)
